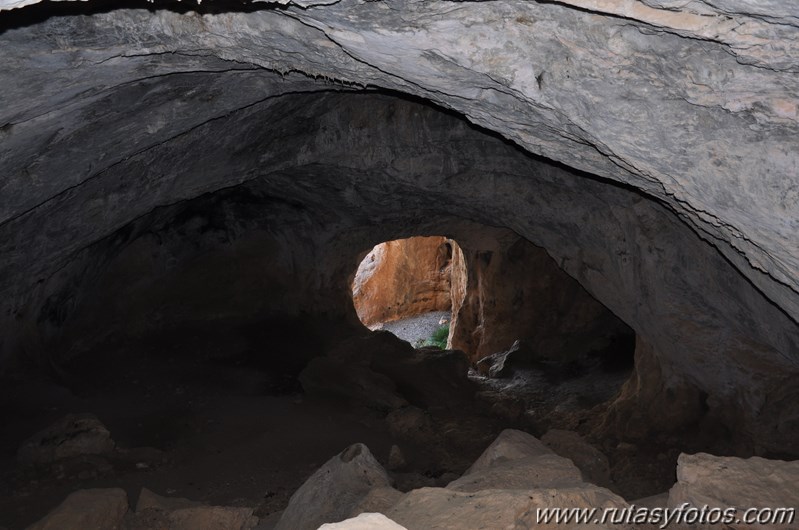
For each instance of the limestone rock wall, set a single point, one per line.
(403, 278)
(694, 104)
(515, 290)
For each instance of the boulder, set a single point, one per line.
(363, 349)
(95, 509)
(527, 473)
(73, 435)
(427, 377)
(212, 518)
(82, 467)
(723, 482)
(396, 459)
(328, 376)
(511, 444)
(593, 464)
(365, 521)
(411, 424)
(502, 364)
(152, 501)
(445, 509)
(518, 461)
(155, 512)
(334, 490)
(377, 500)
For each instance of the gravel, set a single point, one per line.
(416, 328)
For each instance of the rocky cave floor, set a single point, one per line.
(417, 328)
(189, 422)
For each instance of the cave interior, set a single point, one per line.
(180, 234)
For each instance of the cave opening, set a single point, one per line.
(407, 287)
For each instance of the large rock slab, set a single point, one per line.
(510, 445)
(744, 483)
(546, 471)
(377, 500)
(149, 500)
(426, 377)
(72, 436)
(212, 518)
(517, 461)
(155, 512)
(334, 490)
(327, 376)
(445, 509)
(593, 464)
(96, 509)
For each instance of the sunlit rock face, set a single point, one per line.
(404, 278)
(681, 217)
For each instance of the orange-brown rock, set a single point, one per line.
(402, 278)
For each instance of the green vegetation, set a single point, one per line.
(437, 339)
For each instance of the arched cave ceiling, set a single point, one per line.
(695, 104)
(108, 114)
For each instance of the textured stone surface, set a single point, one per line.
(516, 291)
(110, 119)
(722, 482)
(570, 91)
(546, 471)
(411, 423)
(212, 518)
(334, 490)
(73, 435)
(517, 461)
(510, 445)
(590, 461)
(651, 393)
(452, 510)
(378, 499)
(403, 278)
(100, 509)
